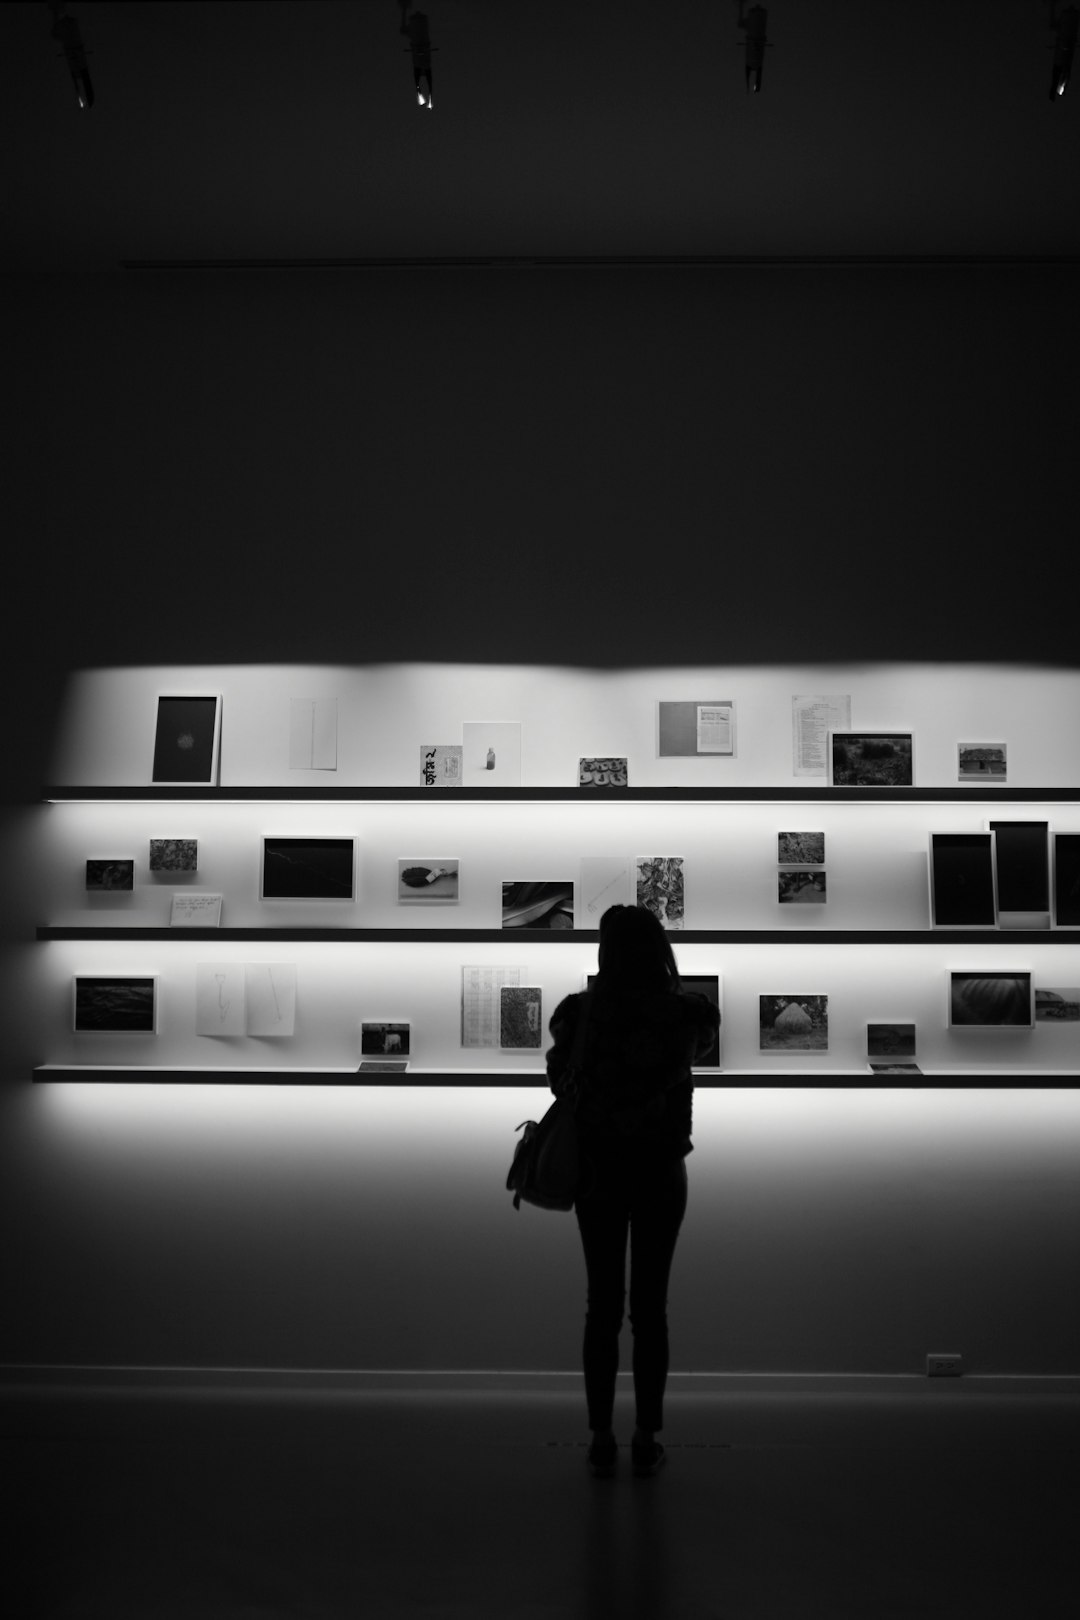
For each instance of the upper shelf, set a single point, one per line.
(813, 792)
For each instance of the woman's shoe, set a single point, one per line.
(601, 1458)
(647, 1456)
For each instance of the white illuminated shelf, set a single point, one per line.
(731, 1079)
(812, 793)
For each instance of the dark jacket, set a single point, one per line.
(635, 1088)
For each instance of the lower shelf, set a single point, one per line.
(730, 1079)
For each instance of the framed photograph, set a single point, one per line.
(800, 848)
(1067, 880)
(702, 984)
(698, 728)
(962, 889)
(174, 854)
(491, 754)
(520, 1017)
(187, 740)
(110, 876)
(871, 759)
(430, 881)
(116, 1003)
(441, 765)
(608, 771)
(387, 1040)
(793, 1023)
(270, 998)
(1022, 869)
(1059, 1006)
(800, 887)
(991, 1000)
(660, 888)
(219, 999)
(982, 762)
(548, 905)
(890, 1041)
(308, 869)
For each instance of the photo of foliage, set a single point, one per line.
(793, 1023)
(800, 888)
(872, 758)
(174, 855)
(660, 888)
(800, 848)
(110, 877)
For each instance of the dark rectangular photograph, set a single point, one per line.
(871, 758)
(548, 905)
(384, 1040)
(110, 877)
(186, 741)
(793, 1023)
(801, 888)
(890, 1041)
(1067, 880)
(115, 1004)
(800, 848)
(962, 880)
(990, 1000)
(1061, 1006)
(1022, 861)
(308, 869)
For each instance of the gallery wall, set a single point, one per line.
(609, 470)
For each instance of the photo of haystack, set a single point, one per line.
(794, 1023)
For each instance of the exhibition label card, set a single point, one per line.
(195, 910)
(441, 765)
(812, 718)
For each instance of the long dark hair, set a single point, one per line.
(635, 953)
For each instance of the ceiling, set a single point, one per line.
(561, 128)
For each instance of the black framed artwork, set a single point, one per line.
(308, 869)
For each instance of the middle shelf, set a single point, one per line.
(123, 932)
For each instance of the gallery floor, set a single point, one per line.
(781, 1498)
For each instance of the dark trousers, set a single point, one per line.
(645, 1202)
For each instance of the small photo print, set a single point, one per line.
(427, 882)
(794, 1023)
(174, 854)
(990, 1001)
(884, 1041)
(982, 762)
(441, 765)
(606, 772)
(871, 758)
(800, 888)
(660, 888)
(548, 905)
(520, 1025)
(1058, 1006)
(384, 1040)
(110, 877)
(800, 848)
(115, 1004)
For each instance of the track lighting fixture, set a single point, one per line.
(1064, 25)
(754, 22)
(66, 30)
(416, 29)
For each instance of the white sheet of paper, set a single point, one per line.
(812, 718)
(715, 728)
(480, 1019)
(606, 880)
(194, 909)
(219, 998)
(270, 996)
(313, 734)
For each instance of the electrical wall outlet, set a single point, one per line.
(944, 1366)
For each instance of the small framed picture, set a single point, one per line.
(427, 880)
(890, 1041)
(963, 887)
(520, 1017)
(661, 888)
(793, 1023)
(174, 855)
(308, 869)
(800, 849)
(991, 1000)
(547, 904)
(110, 876)
(1067, 880)
(800, 887)
(115, 1003)
(1060, 1006)
(871, 759)
(982, 762)
(607, 771)
(386, 1040)
(187, 740)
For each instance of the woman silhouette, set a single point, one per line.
(635, 1096)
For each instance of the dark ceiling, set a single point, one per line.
(610, 128)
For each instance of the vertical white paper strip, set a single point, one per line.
(301, 733)
(324, 735)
